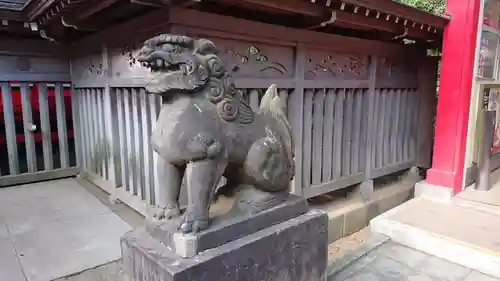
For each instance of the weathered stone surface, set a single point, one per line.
(392, 261)
(443, 270)
(226, 228)
(206, 129)
(294, 250)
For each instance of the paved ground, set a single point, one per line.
(108, 272)
(45, 232)
(53, 229)
(389, 262)
(392, 261)
(344, 245)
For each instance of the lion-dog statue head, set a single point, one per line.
(181, 63)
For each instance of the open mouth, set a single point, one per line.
(162, 65)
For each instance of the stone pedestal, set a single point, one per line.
(249, 214)
(292, 249)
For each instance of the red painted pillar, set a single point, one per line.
(457, 65)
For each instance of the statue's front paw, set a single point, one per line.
(167, 213)
(192, 224)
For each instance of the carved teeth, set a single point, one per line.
(157, 64)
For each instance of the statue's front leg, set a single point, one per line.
(202, 179)
(170, 178)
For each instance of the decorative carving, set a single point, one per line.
(248, 59)
(128, 55)
(389, 66)
(321, 65)
(124, 62)
(254, 56)
(396, 73)
(88, 68)
(95, 68)
(206, 129)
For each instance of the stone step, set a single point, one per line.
(465, 233)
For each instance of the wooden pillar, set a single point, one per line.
(454, 94)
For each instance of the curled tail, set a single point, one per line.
(274, 105)
(270, 160)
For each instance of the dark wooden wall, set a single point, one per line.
(359, 109)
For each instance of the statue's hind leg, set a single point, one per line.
(202, 179)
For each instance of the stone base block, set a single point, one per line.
(434, 192)
(294, 250)
(233, 225)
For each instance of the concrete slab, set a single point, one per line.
(390, 268)
(62, 248)
(10, 269)
(462, 235)
(476, 276)
(108, 272)
(489, 197)
(392, 261)
(57, 228)
(441, 269)
(28, 207)
(41, 190)
(4, 234)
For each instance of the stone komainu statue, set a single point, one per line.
(207, 130)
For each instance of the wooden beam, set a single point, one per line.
(89, 8)
(382, 25)
(47, 8)
(11, 15)
(60, 20)
(56, 11)
(17, 28)
(240, 28)
(76, 9)
(298, 7)
(402, 11)
(152, 3)
(324, 13)
(36, 8)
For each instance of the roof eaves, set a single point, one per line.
(402, 11)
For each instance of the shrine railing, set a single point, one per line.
(358, 111)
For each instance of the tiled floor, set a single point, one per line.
(53, 229)
(392, 262)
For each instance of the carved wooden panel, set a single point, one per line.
(124, 63)
(255, 60)
(321, 65)
(396, 73)
(89, 69)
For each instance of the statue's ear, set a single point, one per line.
(205, 47)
